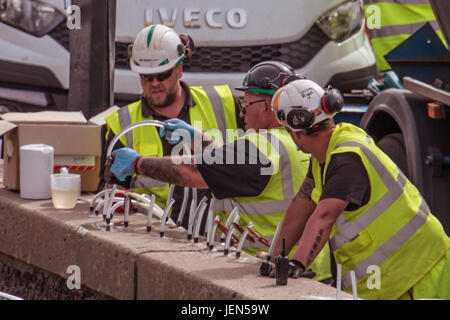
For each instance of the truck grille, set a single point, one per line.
(229, 59)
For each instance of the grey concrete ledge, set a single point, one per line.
(129, 263)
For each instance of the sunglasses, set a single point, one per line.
(244, 105)
(160, 76)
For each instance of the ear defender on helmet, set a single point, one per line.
(187, 47)
(299, 118)
(332, 101)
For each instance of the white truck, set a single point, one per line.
(322, 39)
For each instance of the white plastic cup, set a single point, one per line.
(65, 190)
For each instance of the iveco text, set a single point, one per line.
(192, 17)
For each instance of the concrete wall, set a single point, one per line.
(31, 283)
(128, 263)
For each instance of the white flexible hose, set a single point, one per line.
(166, 216)
(209, 220)
(354, 287)
(183, 206)
(243, 236)
(213, 230)
(111, 145)
(194, 218)
(102, 203)
(115, 206)
(228, 222)
(157, 210)
(338, 281)
(199, 220)
(9, 296)
(230, 233)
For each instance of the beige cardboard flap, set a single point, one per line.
(65, 139)
(6, 126)
(59, 117)
(99, 119)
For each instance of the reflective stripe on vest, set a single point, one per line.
(267, 207)
(220, 105)
(392, 22)
(286, 169)
(350, 230)
(389, 246)
(253, 207)
(219, 111)
(394, 231)
(400, 29)
(397, 1)
(215, 108)
(125, 121)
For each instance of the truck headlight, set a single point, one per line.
(343, 21)
(32, 16)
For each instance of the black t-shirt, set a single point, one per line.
(147, 111)
(236, 171)
(346, 179)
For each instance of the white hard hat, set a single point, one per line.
(301, 104)
(156, 49)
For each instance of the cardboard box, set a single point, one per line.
(77, 143)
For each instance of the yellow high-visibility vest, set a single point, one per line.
(288, 170)
(214, 109)
(390, 22)
(394, 232)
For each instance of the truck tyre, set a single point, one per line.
(394, 146)
(6, 106)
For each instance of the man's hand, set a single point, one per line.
(261, 255)
(176, 130)
(122, 166)
(297, 270)
(266, 268)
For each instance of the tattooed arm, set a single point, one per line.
(181, 171)
(318, 228)
(296, 217)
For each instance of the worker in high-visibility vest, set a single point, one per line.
(255, 173)
(379, 225)
(157, 55)
(390, 22)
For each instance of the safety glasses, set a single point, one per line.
(160, 76)
(244, 105)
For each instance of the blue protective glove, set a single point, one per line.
(176, 130)
(123, 162)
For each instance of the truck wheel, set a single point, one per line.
(394, 146)
(9, 107)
